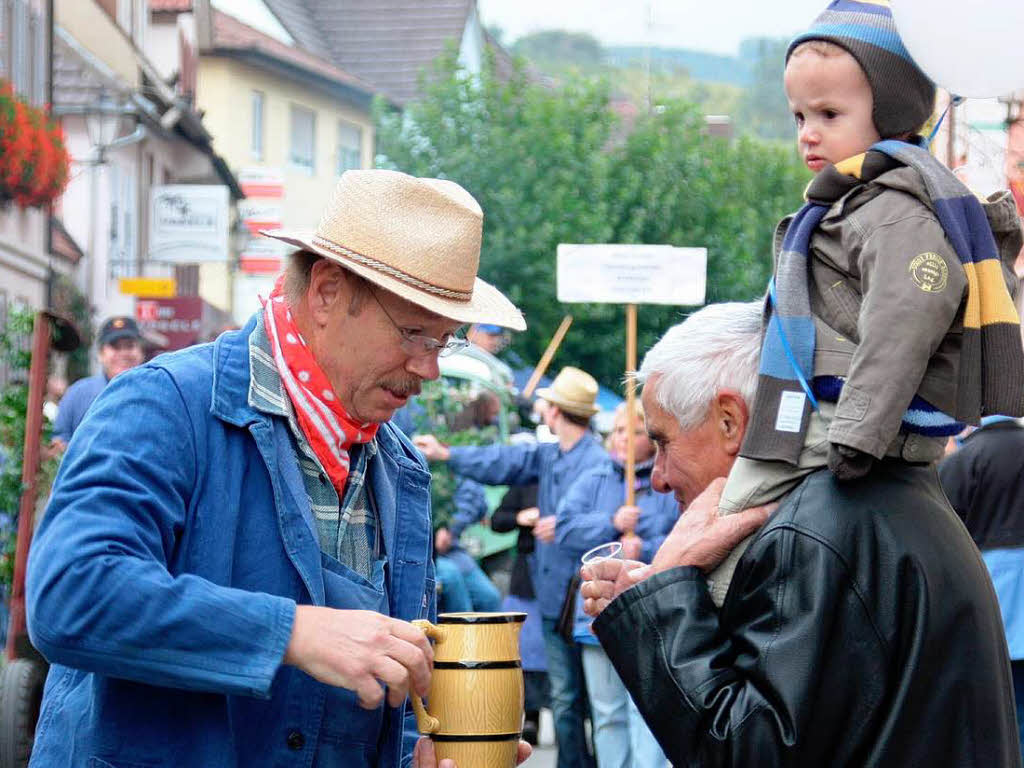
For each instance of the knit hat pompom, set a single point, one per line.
(903, 95)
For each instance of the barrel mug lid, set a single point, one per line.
(473, 617)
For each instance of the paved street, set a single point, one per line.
(544, 753)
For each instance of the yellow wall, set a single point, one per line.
(224, 93)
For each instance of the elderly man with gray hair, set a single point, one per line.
(860, 627)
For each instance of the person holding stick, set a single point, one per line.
(595, 511)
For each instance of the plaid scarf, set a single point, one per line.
(327, 427)
(991, 340)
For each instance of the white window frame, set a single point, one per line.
(349, 157)
(5, 37)
(20, 64)
(38, 60)
(302, 162)
(257, 111)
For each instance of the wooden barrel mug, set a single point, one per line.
(476, 692)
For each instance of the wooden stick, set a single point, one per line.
(549, 353)
(17, 636)
(630, 403)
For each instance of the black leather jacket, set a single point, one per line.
(860, 629)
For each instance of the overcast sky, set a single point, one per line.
(716, 26)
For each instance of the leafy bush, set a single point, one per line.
(15, 352)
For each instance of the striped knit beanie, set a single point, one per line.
(903, 95)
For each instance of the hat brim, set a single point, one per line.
(487, 304)
(577, 409)
(113, 336)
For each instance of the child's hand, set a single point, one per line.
(848, 463)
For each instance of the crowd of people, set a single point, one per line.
(241, 535)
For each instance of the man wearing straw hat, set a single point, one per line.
(570, 403)
(238, 539)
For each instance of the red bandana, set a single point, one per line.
(328, 428)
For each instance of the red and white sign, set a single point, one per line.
(261, 182)
(262, 256)
(179, 319)
(259, 214)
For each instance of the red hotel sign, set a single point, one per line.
(179, 319)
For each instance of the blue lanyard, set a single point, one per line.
(788, 349)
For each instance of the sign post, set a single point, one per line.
(631, 275)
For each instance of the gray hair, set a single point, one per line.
(716, 347)
(298, 272)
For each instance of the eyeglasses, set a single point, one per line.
(417, 345)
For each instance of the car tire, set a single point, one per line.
(21, 694)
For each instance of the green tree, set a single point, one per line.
(533, 157)
(548, 167)
(15, 352)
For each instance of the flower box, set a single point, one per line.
(33, 157)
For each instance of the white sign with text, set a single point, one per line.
(631, 274)
(189, 223)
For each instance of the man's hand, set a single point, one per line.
(431, 448)
(625, 518)
(359, 650)
(632, 546)
(527, 517)
(544, 530)
(424, 757)
(703, 539)
(442, 541)
(605, 580)
(55, 448)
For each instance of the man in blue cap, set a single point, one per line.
(120, 349)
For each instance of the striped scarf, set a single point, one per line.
(329, 430)
(991, 341)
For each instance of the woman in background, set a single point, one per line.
(594, 512)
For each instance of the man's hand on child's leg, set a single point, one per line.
(848, 463)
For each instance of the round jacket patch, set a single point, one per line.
(930, 272)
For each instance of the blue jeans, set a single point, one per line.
(482, 592)
(454, 597)
(568, 698)
(621, 737)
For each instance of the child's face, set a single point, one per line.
(831, 100)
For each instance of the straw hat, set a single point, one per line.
(574, 391)
(418, 238)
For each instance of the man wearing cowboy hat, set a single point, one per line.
(238, 539)
(554, 466)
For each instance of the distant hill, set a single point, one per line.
(747, 86)
(699, 65)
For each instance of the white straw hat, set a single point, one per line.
(418, 238)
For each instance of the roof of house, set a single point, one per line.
(387, 42)
(231, 34)
(82, 82)
(63, 244)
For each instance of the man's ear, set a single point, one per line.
(731, 416)
(326, 289)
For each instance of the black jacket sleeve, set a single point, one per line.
(754, 685)
(503, 519)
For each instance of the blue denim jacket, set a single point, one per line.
(544, 463)
(585, 521)
(163, 580)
